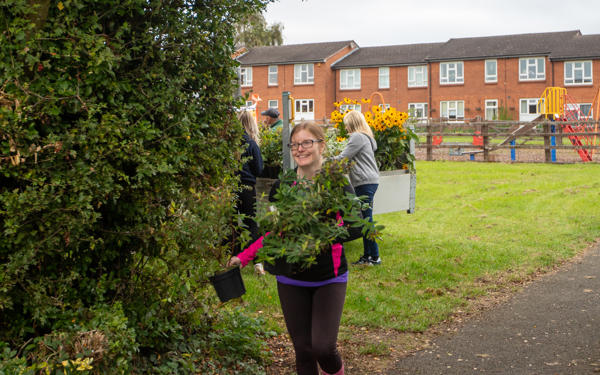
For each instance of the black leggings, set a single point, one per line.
(312, 316)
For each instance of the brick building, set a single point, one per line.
(488, 77)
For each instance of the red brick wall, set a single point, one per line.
(508, 90)
(322, 91)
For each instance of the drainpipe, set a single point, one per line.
(429, 90)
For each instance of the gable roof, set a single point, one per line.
(502, 46)
(407, 54)
(580, 47)
(293, 53)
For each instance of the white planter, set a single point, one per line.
(396, 192)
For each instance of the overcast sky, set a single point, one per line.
(389, 22)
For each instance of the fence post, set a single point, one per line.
(429, 143)
(553, 143)
(513, 153)
(547, 153)
(486, 140)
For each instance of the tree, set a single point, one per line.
(253, 31)
(118, 147)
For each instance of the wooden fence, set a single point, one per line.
(573, 141)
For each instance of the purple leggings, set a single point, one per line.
(312, 316)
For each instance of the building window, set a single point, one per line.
(273, 104)
(529, 106)
(418, 111)
(491, 109)
(383, 107)
(453, 110)
(250, 104)
(246, 76)
(532, 69)
(305, 109)
(585, 111)
(451, 73)
(491, 71)
(349, 107)
(304, 74)
(384, 77)
(272, 75)
(349, 79)
(417, 76)
(578, 72)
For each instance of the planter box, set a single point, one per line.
(396, 192)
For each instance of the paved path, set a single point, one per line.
(551, 327)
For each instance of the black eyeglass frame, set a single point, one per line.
(306, 144)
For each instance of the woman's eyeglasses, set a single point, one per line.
(306, 144)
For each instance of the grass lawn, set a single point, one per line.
(477, 226)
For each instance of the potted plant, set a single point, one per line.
(394, 158)
(271, 151)
(305, 218)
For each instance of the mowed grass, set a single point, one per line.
(477, 227)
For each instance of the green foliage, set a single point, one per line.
(271, 146)
(303, 219)
(335, 144)
(118, 147)
(253, 31)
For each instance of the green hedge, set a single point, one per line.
(118, 144)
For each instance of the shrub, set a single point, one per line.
(118, 147)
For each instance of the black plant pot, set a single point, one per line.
(228, 284)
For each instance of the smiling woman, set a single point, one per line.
(311, 219)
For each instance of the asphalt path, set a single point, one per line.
(552, 326)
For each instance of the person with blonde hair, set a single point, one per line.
(364, 174)
(252, 168)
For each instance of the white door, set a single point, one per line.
(305, 110)
(528, 110)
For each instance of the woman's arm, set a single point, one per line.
(355, 144)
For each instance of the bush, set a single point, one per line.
(117, 127)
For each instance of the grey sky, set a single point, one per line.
(386, 22)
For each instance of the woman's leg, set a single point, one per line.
(371, 249)
(296, 304)
(327, 306)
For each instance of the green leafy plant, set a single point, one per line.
(389, 128)
(118, 151)
(303, 221)
(335, 143)
(270, 147)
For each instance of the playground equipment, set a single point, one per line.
(556, 105)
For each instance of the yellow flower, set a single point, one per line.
(341, 139)
(60, 5)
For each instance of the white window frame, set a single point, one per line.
(456, 106)
(304, 74)
(590, 115)
(491, 104)
(384, 77)
(273, 103)
(383, 107)
(417, 76)
(532, 69)
(450, 69)
(418, 111)
(349, 79)
(246, 76)
(273, 74)
(571, 69)
(349, 107)
(491, 77)
(529, 102)
(310, 104)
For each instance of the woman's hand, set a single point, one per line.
(234, 261)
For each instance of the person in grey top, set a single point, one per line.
(364, 174)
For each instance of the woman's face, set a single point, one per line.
(309, 156)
